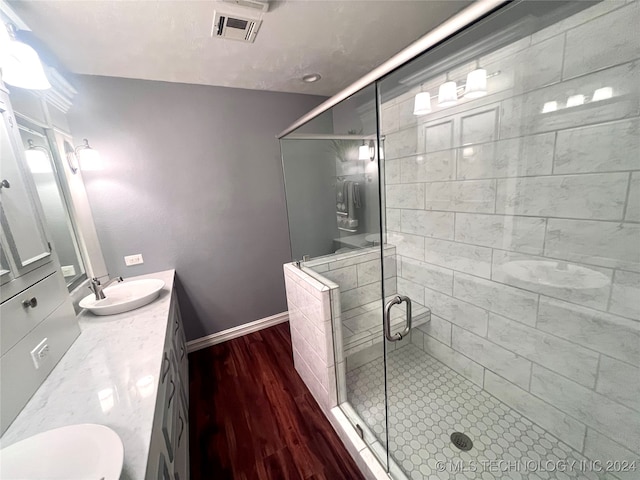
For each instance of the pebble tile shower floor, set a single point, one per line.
(428, 401)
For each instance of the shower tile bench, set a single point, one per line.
(341, 293)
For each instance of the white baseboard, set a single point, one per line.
(236, 332)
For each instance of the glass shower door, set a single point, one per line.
(511, 173)
(333, 204)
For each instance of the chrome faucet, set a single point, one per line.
(97, 287)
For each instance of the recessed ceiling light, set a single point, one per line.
(311, 77)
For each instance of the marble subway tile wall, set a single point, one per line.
(355, 279)
(520, 229)
(309, 304)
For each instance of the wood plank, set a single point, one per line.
(252, 417)
(281, 465)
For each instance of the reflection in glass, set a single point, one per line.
(37, 158)
(108, 398)
(514, 218)
(145, 386)
(331, 171)
(515, 230)
(40, 161)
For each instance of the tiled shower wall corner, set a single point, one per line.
(357, 276)
(520, 229)
(309, 304)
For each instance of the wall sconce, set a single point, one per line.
(363, 152)
(88, 157)
(21, 65)
(37, 158)
(72, 158)
(367, 152)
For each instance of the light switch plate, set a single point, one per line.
(68, 271)
(133, 259)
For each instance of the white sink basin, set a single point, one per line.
(125, 296)
(75, 452)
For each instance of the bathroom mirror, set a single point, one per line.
(41, 164)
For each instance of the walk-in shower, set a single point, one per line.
(478, 211)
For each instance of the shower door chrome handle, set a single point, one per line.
(387, 319)
(397, 300)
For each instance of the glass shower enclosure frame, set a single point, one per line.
(473, 206)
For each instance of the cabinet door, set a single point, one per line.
(169, 412)
(21, 225)
(180, 348)
(5, 268)
(181, 460)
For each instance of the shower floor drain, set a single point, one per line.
(461, 441)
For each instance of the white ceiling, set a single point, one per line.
(170, 40)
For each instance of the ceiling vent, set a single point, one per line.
(262, 5)
(235, 27)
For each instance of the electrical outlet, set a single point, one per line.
(133, 259)
(40, 353)
(68, 271)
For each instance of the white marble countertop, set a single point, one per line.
(109, 376)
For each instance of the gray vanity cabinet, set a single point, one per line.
(23, 242)
(37, 320)
(169, 452)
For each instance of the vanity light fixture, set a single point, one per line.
(448, 94)
(575, 100)
(21, 65)
(476, 85)
(37, 158)
(422, 103)
(88, 157)
(603, 93)
(549, 107)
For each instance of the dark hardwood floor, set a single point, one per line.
(252, 417)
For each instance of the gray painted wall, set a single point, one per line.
(193, 181)
(310, 176)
